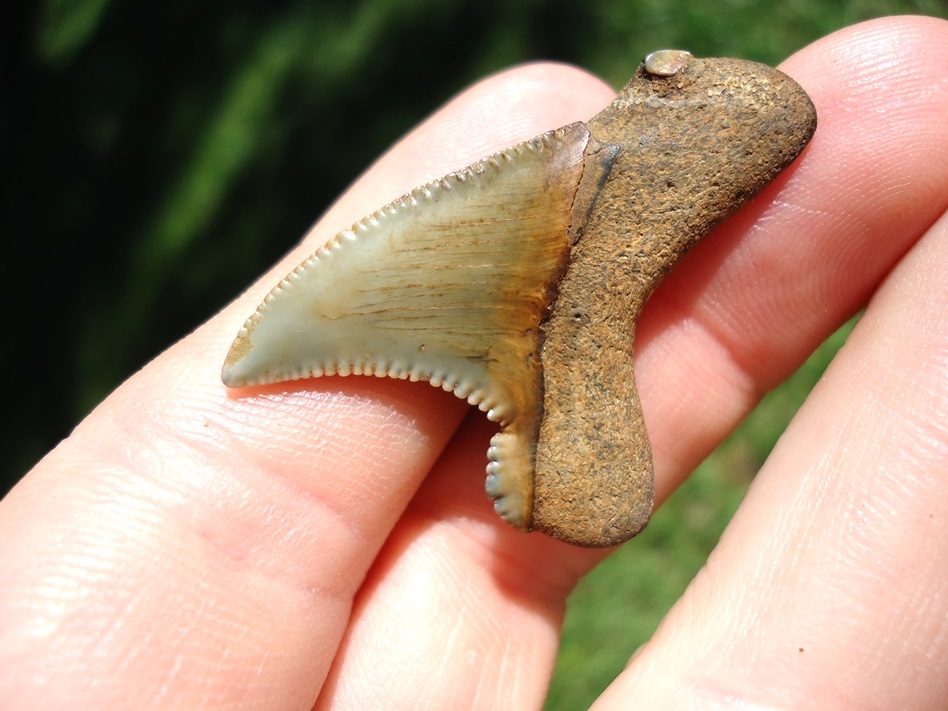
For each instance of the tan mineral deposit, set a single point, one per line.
(516, 282)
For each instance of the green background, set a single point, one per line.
(158, 156)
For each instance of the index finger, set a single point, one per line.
(742, 312)
(187, 546)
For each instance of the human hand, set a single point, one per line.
(329, 539)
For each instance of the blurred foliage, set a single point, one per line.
(157, 157)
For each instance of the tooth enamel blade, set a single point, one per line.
(448, 284)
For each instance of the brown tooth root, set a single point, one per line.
(517, 282)
(695, 146)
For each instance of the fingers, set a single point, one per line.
(752, 301)
(828, 588)
(231, 533)
(741, 313)
(196, 548)
(446, 618)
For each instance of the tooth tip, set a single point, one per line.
(232, 377)
(230, 373)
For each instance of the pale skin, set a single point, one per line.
(329, 542)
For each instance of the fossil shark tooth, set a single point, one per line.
(516, 283)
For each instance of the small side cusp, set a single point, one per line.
(510, 478)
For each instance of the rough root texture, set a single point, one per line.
(685, 151)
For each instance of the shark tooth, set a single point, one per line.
(516, 282)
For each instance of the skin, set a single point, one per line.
(329, 543)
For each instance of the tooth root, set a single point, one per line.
(447, 284)
(694, 146)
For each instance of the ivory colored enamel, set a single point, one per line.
(447, 284)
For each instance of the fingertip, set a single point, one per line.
(870, 62)
(904, 33)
